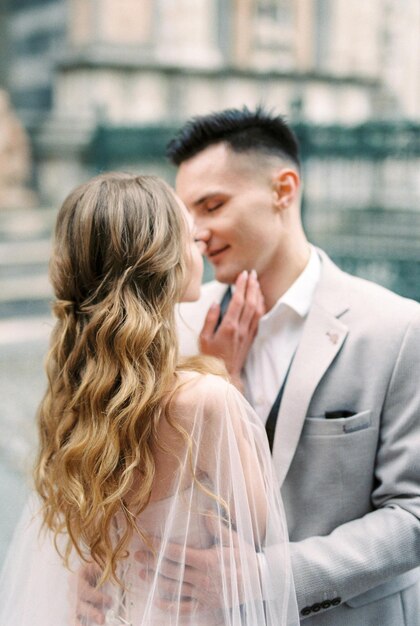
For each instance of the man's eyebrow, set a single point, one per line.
(207, 196)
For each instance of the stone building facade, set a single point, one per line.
(74, 64)
(103, 84)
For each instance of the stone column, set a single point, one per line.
(243, 32)
(14, 159)
(4, 52)
(186, 33)
(126, 22)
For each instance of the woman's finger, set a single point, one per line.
(236, 305)
(210, 323)
(251, 302)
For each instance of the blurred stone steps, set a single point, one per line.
(25, 246)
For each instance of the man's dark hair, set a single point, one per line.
(243, 130)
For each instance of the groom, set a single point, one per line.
(335, 365)
(342, 358)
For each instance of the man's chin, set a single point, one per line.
(225, 276)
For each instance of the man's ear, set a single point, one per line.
(286, 183)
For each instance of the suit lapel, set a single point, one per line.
(322, 339)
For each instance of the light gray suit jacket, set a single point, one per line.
(351, 486)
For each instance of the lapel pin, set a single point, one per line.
(333, 337)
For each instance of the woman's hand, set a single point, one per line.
(232, 340)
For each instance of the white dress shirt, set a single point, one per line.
(279, 332)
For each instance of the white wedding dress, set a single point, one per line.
(230, 455)
(189, 509)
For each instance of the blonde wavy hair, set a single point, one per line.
(118, 267)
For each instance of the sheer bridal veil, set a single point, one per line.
(208, 535)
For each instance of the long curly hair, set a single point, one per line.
(117, 269)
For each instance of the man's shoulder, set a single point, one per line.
(212, 289)
(363, 295)
(191, 316)
(374, 297)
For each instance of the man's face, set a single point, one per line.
(230, 197)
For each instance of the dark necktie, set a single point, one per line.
(270, 425)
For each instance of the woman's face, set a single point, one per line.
(193, 261)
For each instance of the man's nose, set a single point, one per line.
(202, 236)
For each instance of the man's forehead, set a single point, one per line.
(216, 167)
(211, 159)
(204, 170)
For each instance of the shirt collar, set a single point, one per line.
(299, 295)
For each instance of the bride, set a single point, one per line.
(139, 452)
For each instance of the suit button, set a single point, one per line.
(326, 604)
(336, 601)
(306, 611)
(315, 607)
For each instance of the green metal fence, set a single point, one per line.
(361, 190)
(362, 199)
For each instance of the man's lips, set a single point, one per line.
(214, 253)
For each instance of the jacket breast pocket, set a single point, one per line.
(320, 426)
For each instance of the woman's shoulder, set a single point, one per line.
(195, 386)
(209, 396)
(196, 398)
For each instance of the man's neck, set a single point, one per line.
(275, 282)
